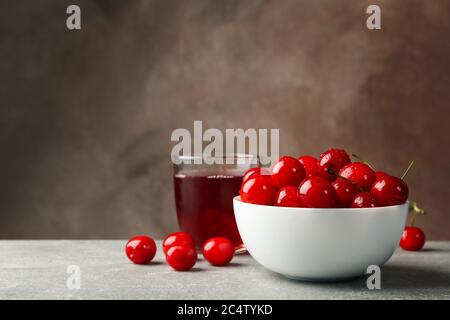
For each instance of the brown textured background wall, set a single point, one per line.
(86, 116)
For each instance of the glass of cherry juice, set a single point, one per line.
(204, 196)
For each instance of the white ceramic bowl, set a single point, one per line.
(319, 244)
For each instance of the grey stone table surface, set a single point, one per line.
(38, 269)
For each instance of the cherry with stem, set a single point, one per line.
(411, 164)
(413, 238)
(331, 171)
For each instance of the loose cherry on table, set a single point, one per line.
(258, 190)
(333, 159)
(287, 171)
(360, 173)
(345, 191)
(288, 196)
(181, 258)
(140, 249)
(310, 165)
(218, 251)
(317, 192)
(413, 239)
(363, 200)
(177, 239)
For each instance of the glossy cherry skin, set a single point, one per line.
(310, 165)
(333, 159)
(317, 192)
(413, 239)
(218, 251)
(380, 174)
(345, 192)
(181, 258)
(390, 191)
(258, 190)
(287, 171)
(177, 239)
(140, 249)
(251, 173)
(360, 173)
(288, 196)
(363, 200)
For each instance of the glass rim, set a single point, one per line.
(219, 156)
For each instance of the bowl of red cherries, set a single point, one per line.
(325, 218)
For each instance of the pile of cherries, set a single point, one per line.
(179, 249)
(332, 181)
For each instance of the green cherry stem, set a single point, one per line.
(411, 164)
(331, 171)
(416, 210)
(362, 160)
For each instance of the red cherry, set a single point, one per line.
(413, 239)
(288, 196)
(181, 258)
(178, 239)
(333, 159)
(218, 251)
(345, 191)
(251, 173)
(364, 200)
(360, 173)
(258, 190)
(380, 174)
(310, 165)
(140, 249)
(390, 191)
(317, 192)
(288, 171)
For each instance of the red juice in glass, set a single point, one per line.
(204, 199)
(204, 203)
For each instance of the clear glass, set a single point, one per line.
(204, 196)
